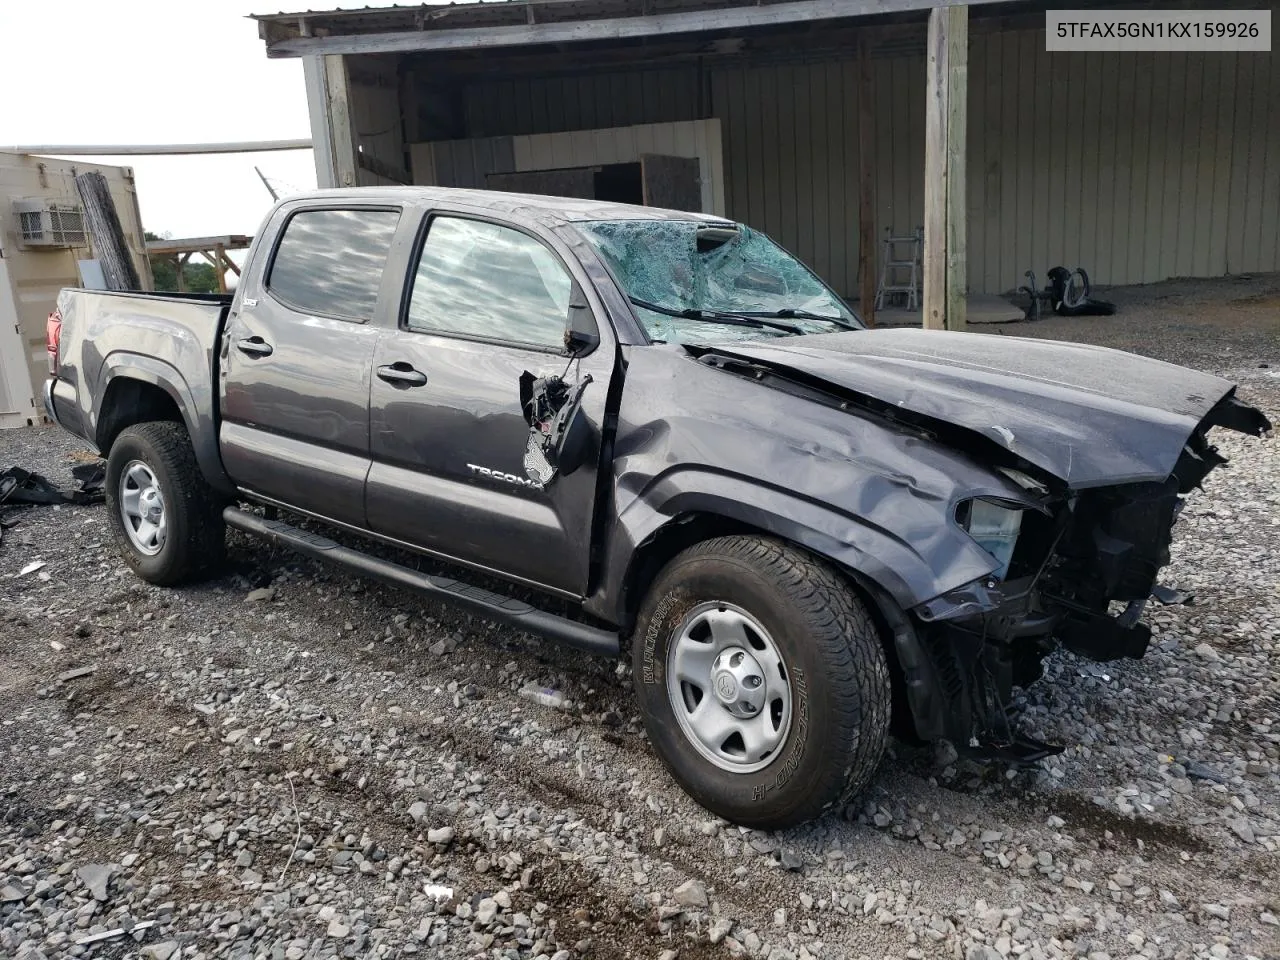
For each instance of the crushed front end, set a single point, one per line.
(1077, 569)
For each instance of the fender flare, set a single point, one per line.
(199, 421)
(892, 575)
(872, 553)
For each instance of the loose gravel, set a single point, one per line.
(291, 762)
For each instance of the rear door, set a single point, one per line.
(296, 358)
(488, 301)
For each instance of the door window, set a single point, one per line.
(485, 281)
(329, 262)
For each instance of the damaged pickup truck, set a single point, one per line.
(803, 530)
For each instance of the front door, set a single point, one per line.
(448, 432)
(296, 362)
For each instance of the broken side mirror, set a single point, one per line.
(561, 437)
(581, 335)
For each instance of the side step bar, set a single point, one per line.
(515, 613)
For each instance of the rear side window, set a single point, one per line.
(329, 262)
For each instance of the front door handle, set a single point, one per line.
(402, 374)
(254, 347)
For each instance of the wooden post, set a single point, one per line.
(313, 74)
(946, 115)
(866, 174)
(181, 260)
(219, 257)
(103, 223)
(345, 162)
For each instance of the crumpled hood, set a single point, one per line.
(1088, 415)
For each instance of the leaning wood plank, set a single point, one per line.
(108, 236)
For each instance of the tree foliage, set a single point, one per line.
(199, 277)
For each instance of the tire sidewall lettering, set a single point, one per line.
(667, 614)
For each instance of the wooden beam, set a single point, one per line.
(231, 241)
(944, 169)
(313, 75)
(220, 254)
(606, 29)
(866, 188)
(340, 128)
(957, 172)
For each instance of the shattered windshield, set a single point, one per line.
(694, 281)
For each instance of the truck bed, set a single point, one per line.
(169, 340)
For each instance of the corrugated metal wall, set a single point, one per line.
(790, 139)
(1139, 167)
(374, 97)
(467, 163)
(1136, 166)
(584, 102)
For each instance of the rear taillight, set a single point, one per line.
(52, 340)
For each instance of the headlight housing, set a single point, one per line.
(994, 527)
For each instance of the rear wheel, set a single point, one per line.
(762, 681)
(166, 519)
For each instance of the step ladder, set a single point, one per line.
(900, 268)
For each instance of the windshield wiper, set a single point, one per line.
(718, 316)
(788, 313)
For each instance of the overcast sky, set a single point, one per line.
(145, 71)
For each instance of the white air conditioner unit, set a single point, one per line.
(49, 224)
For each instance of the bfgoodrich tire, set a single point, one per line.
(165, 518)
(762, 681)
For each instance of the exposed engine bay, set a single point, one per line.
(1081, 572)
(1077, 559)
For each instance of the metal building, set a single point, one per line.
(1139, 166)
(42, 236)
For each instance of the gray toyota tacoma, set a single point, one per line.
(804, 531)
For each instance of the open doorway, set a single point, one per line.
(619, 183)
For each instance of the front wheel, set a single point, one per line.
(166, 519)
(762, 681)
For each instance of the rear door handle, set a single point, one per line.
(402, 374)
(254, 347)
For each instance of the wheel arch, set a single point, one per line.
(688, 505)
(135, 389)
(862, 557)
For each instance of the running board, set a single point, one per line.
(494, 606)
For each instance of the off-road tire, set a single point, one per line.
(196, 541)
(840, 683)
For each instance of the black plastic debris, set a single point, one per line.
(22, 488)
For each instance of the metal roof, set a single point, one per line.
(514, 23)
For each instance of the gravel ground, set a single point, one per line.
(290, 762)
